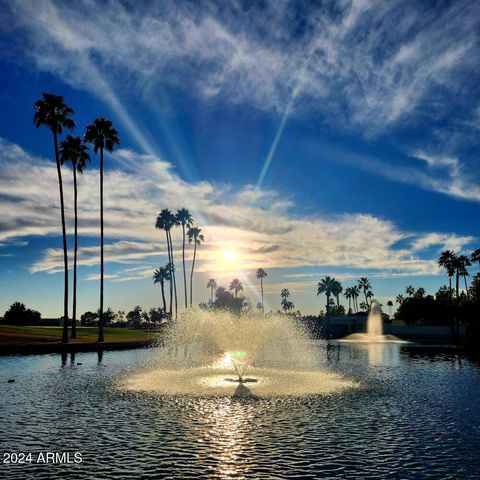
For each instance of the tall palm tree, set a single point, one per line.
(463, 263)
(75, 152)
(356, 294)
(325, 286)
(236, 286)
(261, 274)
(212, 285)
(161, 276)
(184, 218)
(337, 289)
(194, 235)
(52, 111)
(447, 261)
(348, 295)
(101, 134)
(475, 256)
(364, 284)
(165, 221)
(410, 291)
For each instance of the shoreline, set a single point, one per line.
(45, 348)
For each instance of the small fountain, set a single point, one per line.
(211, 352)
(374, 329)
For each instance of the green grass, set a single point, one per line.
(15, 335)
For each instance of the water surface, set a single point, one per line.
(415, 415)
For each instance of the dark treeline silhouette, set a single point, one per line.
(52, 111)
(19, 314)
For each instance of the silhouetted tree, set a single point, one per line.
(212, 285)
(161, 276)
(261, 274)
(236, 286)
(101, 134)
(165, 221)
(184, 219)
(74, 152)
(325, 286)
(18, 314)
(54, 113)
(447, 261)
(364, 284)
(336, 290)
(194, 235)
(410, 291)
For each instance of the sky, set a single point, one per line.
(307, 138)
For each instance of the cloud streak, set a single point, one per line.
(262, 227)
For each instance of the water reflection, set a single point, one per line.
(381, 354)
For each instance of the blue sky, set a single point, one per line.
(309, 138)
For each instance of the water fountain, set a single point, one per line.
(210, 353)
(374, 332)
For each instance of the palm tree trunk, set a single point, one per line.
(466, 287)
(211, 293)
(338, 301)
(457, 286)
(261, 287)
(100, 321)
(162, 285)
(191, 273)
(183, 260)
(450, 287)
(74, 301)
(174, 276)
(64, 237)
(171, 273)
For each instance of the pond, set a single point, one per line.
(414, 413)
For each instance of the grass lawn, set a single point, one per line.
(12, 335)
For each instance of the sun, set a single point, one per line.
(229, 256)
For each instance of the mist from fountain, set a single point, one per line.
(217, 352)
(374, 332)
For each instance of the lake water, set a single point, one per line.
(415, 415)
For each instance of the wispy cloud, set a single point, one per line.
(260, 226)
(370, 64)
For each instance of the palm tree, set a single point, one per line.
(236, 286)
(420, 293)
(101, 134)
(475, 256)
(337, 289)
(410, 291)
(390, 305)
(261, 274)
(400, 299)
(356, 294)
(325, 286)
(286, 304)
(447, 261)
(165, 221)
(52, 111)
(212, 285)
(184, 218)
(463, 263)
(75, 152)
(194, 235)
(348, 295)
(364, 284)
(161, 276)
(363, 306)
